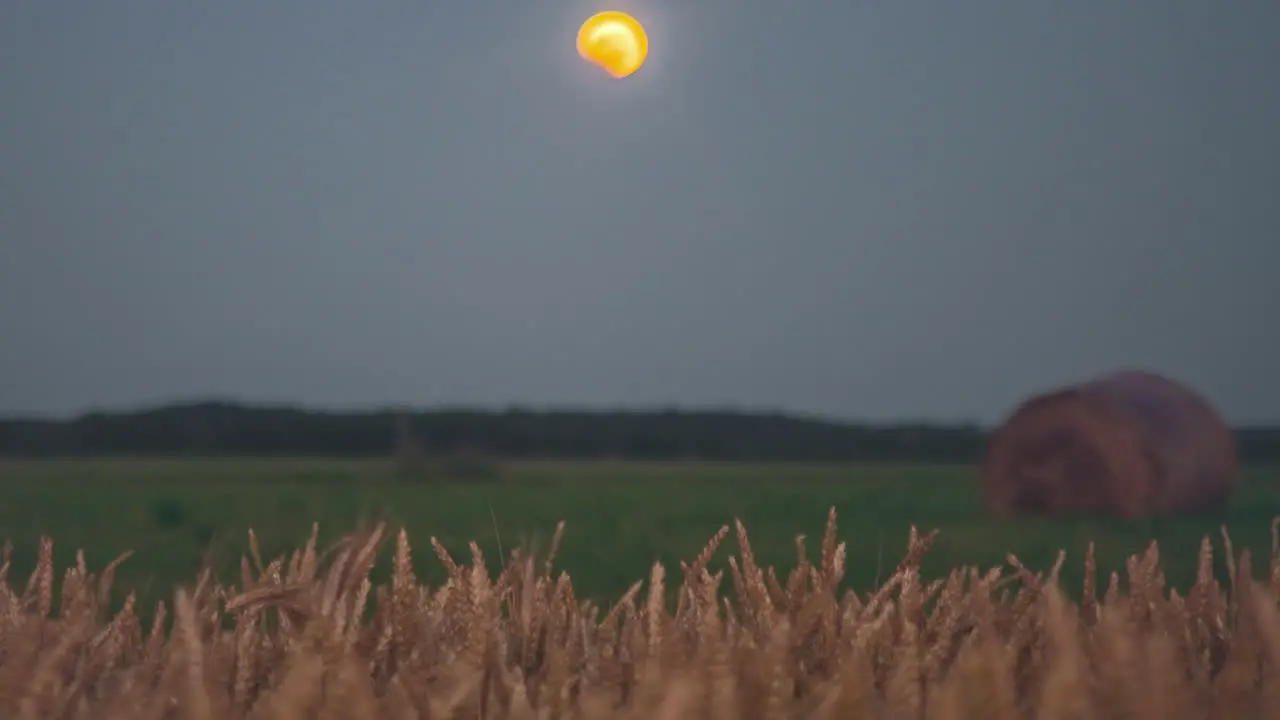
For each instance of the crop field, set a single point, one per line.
(315, 632)
(619, 517)
(868, 618)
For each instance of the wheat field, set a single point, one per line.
(308, 635)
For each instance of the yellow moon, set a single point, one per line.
(614, 41)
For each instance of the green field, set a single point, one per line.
(620, 516)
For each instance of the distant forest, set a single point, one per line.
(225, 429)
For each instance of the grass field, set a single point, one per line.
(620, 517)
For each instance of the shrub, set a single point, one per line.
(169, 513)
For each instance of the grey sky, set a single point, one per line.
(866, 209)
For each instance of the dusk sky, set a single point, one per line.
(866, 210)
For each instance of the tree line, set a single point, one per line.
(213, 429)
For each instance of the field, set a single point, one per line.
(620, 516)
(303, 632)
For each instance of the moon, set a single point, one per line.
(613, 41)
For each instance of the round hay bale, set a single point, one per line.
(1128, 444)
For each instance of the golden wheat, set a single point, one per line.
(309, 636)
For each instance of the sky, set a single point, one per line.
(868, 210)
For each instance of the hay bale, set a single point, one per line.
(1128, 444)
